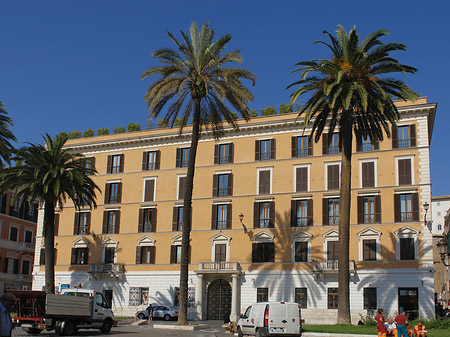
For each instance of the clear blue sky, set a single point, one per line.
(74, 65)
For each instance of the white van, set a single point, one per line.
(270, 319)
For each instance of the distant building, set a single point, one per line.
(17, 242)
(439, 207)
(264, 222)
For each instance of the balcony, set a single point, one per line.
(223, 267)
(24, 278)
(101, 270)
(25, 246)
(321, 268)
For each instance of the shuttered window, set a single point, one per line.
(301, 213)
(406, 207)
(145, 255)
(301, 184)
(82, 223)
(110, 253)
(367, 145)
(264, 214)
(369, 250)
(404, 136)
(147, 220)
(115, 164)
(369, 209)
(332, 250)
(407, 250)
(79, 256)
(301, 147)
(149, 193)
(111, 222)
(265, 149)
(330, 146)
(301, 251)
(220, 252)
(263, 252)
(370, 298)
(221, 217)
(368, 174)
(113, 193)
(222, 185)
(177, 219)
(151, 160)
(333, 177)
(404, 172)
(223, 153)
(264, 182)
(182, 159)
(330, 211)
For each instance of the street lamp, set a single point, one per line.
(443, 250)
(241, 219)
(426, 207)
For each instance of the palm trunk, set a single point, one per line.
(186, 230)
(344, 226)
(49, 225)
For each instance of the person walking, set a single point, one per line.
(7, 303)
(401, 322)
(380, 323)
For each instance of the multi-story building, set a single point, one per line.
(17, 241)
(439, 207)
(264, 223)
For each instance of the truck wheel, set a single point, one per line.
(167, 317)
(58, 328)
(239, 331)
(33, 331)
(107, 325)
(70, 327)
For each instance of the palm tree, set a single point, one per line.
(51, 174)
(195, 78)
(348, 92)
(6, 134)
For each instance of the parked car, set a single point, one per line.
(159, 311)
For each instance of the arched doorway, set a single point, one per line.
(219, 300)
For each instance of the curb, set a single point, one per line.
(180, 327)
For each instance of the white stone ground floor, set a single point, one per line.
(217, 295)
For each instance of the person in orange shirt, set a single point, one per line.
(410, 332)
(419, 330)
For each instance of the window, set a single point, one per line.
(332, 250)
(333, 176)
(175, 253)
(264, 214)
(264, 182)
(333, 146)
(301, 251)
(404, 171)
(149, 189)
(147, 220)
(439, 227)
(301, 297)
(151, 160)
(28, 236)
(366, 145)
(369, 250)
(302, 179)
(181, 186)
(111, 222)
(369, 209)
(3, 197)
(110, 253)
(301, 213)
(331, 211)
(265, 149)
(138, 296)
(113, 193)
(79, 256)
(406, 207)
(13, 233)
(262, 294)
(26, 267)
(404, 136)
(11, 265)
(115, 163)
(89, 163)
(222, 184)
(82, 223)
(301, 147)
(182, 157)
(263, 252)
(370, 298)
(221, 217)
(332, 298)
(177, 222)
(367, 174)
(190, 300)
(223, 153)
(220, 252)
(145, 255)
(407, 249)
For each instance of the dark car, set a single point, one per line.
(159, 311)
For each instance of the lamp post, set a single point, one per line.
(426, 207)
(443, 250)
(241, 219)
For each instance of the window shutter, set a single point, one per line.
(122, 162)
(56, 224)
(293, 213)
(76, 229)
(302, 179)
(88, 222)
(309, 207)
(117, 222)
(415, 206)
(255, 214)
(402, 171)
(368, 174)
(119, 193)
(16, 266)
(264, 182)
(360, 210)
(5, 266)
(325, 211)
(366, 252)
(412, 133)
(397, 217)
(182, 183)
(229, 215)
(41, 258)
(214, 217)
(73, 256)
(231, 153)
(107, 192)
(154, 219)
(255, 255)
(272, 148)
(138, 255)
(376, 145)
(173, 254)
(271, 249)
(272, 214)
(230, 183)
(407, 172)
(294, 147)
(152, 254)
(105, 223)
(377, 209)
(144, 161)
(178, 158)
(141, 221)
(359, 141)
(149, 190)
(175, 219)
(109, 164)
(215, 183)
(158, 160)
(310, 148)
(257, 150)
(324, 143)
(394, 137)
(216, 154)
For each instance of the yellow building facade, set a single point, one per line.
(265, 215)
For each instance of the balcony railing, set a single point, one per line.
(223, 266)
(24, 277)
(106, 270)
(26, 246)
(330, 267)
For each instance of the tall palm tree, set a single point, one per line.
(196, 79)
(51, 174)
(6, 134)
(349, 92)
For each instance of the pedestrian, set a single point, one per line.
(150, 315)
(380, 323)
(7, 304)
(420, 330)
(401, 322)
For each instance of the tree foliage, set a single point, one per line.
(268, 111)
(286, 108)
(88, 133)
(119, 129)
(132, 127)
(74, 134)
(102, 132)
(253, 113)
(6, 135)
